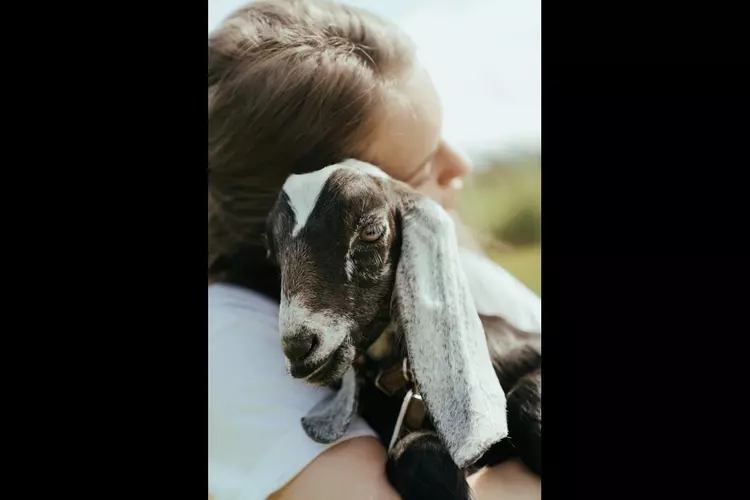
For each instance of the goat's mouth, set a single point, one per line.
(326, 371)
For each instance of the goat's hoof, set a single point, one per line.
(420, 468)
(525, 421)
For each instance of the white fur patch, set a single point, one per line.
(303, 190)
(349, 263)
(445, 337)
(332, 328)
(349, 266)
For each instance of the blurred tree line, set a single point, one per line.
(502, 203)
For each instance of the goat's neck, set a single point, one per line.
(377, 329)
(384, 344)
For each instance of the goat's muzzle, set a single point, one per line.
(300, 344)
(309, 359)
(315, 342)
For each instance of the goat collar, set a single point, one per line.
(413, 411)
(395, 378)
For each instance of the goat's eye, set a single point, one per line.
(371, 233)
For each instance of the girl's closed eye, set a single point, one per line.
(423, 176)
(422, 173)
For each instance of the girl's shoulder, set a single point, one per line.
(256, 441)
(497, 292)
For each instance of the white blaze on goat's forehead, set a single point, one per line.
(303, 190)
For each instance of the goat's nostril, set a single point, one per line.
(298, 346)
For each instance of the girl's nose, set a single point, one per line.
(450, 166)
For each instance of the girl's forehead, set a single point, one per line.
(408, 127)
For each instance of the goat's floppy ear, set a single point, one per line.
(329, 419)
(443, 334)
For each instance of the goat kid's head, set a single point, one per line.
(354, 246)
(334, 234)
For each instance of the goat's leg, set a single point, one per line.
(420, 468)
(525, 420)
(524, 413)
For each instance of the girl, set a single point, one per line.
(294, 86)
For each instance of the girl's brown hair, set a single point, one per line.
(292, 86)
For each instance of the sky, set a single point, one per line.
(485, 60)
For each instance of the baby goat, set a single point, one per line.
(374, 303)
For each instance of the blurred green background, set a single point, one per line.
(501, 202)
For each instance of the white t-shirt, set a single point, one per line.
(256, 441)
(496, 291)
